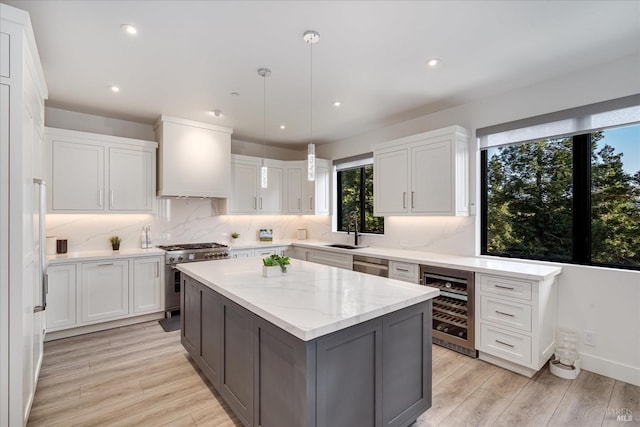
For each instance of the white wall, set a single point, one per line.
(603, 301)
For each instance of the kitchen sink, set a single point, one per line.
(343, 246)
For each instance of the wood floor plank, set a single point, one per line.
(183, 421)
(624, 402)
(485, 405)
(447, 364)
(449, 394)
(586, 402)
(537, 401)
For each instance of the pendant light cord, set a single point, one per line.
(264, 117)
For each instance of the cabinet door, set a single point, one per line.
(104, 290)
(147, 285)
(131, 177)
(349, 384)
(61, 298)
(432, 191)
(190, 315)
(77, 173)
(211, 335)
(294, 189)
(237, 360)
(390, 177)
(270, 199)
(244, 188)
(316, 197)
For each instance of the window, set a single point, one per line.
(355, 194)
(570, 199)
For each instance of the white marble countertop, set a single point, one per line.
(97, 255)
(489, 265)
(311, 300)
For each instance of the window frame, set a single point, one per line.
(581, 233)
(361, 200)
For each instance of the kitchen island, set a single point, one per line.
(318, 346)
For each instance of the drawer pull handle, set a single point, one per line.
(105, 265)
(504, 314)
(404, 200)
(504, 287)
(406, 270)
(504, 343)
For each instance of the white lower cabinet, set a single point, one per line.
(89, 293)
(104, 290)
(147, 285)
(245, 253)
(516, 321)
(61, 298)
(405, 271)
(334, 259)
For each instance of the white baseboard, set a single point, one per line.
(612, 369)
(65, 333)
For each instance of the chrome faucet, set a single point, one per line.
(353, 216)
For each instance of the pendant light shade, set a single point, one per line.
(264, 173)
(311, 37)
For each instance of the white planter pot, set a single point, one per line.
(274, 271)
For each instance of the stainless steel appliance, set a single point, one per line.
(178, 254)
(369, 265)
(453, 310)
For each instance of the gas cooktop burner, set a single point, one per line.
(191, 246)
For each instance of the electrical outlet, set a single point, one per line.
(590, 338)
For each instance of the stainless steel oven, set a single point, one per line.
(178, 254)
(453, 310)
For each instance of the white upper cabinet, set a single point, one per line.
(247, 195)
(425, 174)
(304, 196)
(91, 173)
(131, 179)
(317, 194)
(295, 172)
(194, 158)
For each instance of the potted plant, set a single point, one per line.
(235, 235)
(274, 265)
(115, 242)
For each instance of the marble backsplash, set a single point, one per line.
(195, 220)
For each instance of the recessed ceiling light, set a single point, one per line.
(216, 113)
(282, 126)
(235, 94)
(432, 62)
(337, 103)
(129, 29)
(114, 89)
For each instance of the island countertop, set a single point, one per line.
(310, 300)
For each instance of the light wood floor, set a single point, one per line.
(141, 376)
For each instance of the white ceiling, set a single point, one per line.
(189, 56)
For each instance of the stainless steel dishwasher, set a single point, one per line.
(370, 265)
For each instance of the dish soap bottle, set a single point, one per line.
(148, 236)
(143, 238)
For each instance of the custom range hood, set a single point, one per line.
(194, 159)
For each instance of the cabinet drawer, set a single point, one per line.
(505, 286)
(510, 346)
(506, 313)
(403, 271)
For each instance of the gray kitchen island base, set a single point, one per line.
(375, 373)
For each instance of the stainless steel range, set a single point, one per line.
(178, 254)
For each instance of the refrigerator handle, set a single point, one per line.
(42, 185)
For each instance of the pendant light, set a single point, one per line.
(311, 37)
(264, 73)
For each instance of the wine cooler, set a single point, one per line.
(453, 311)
